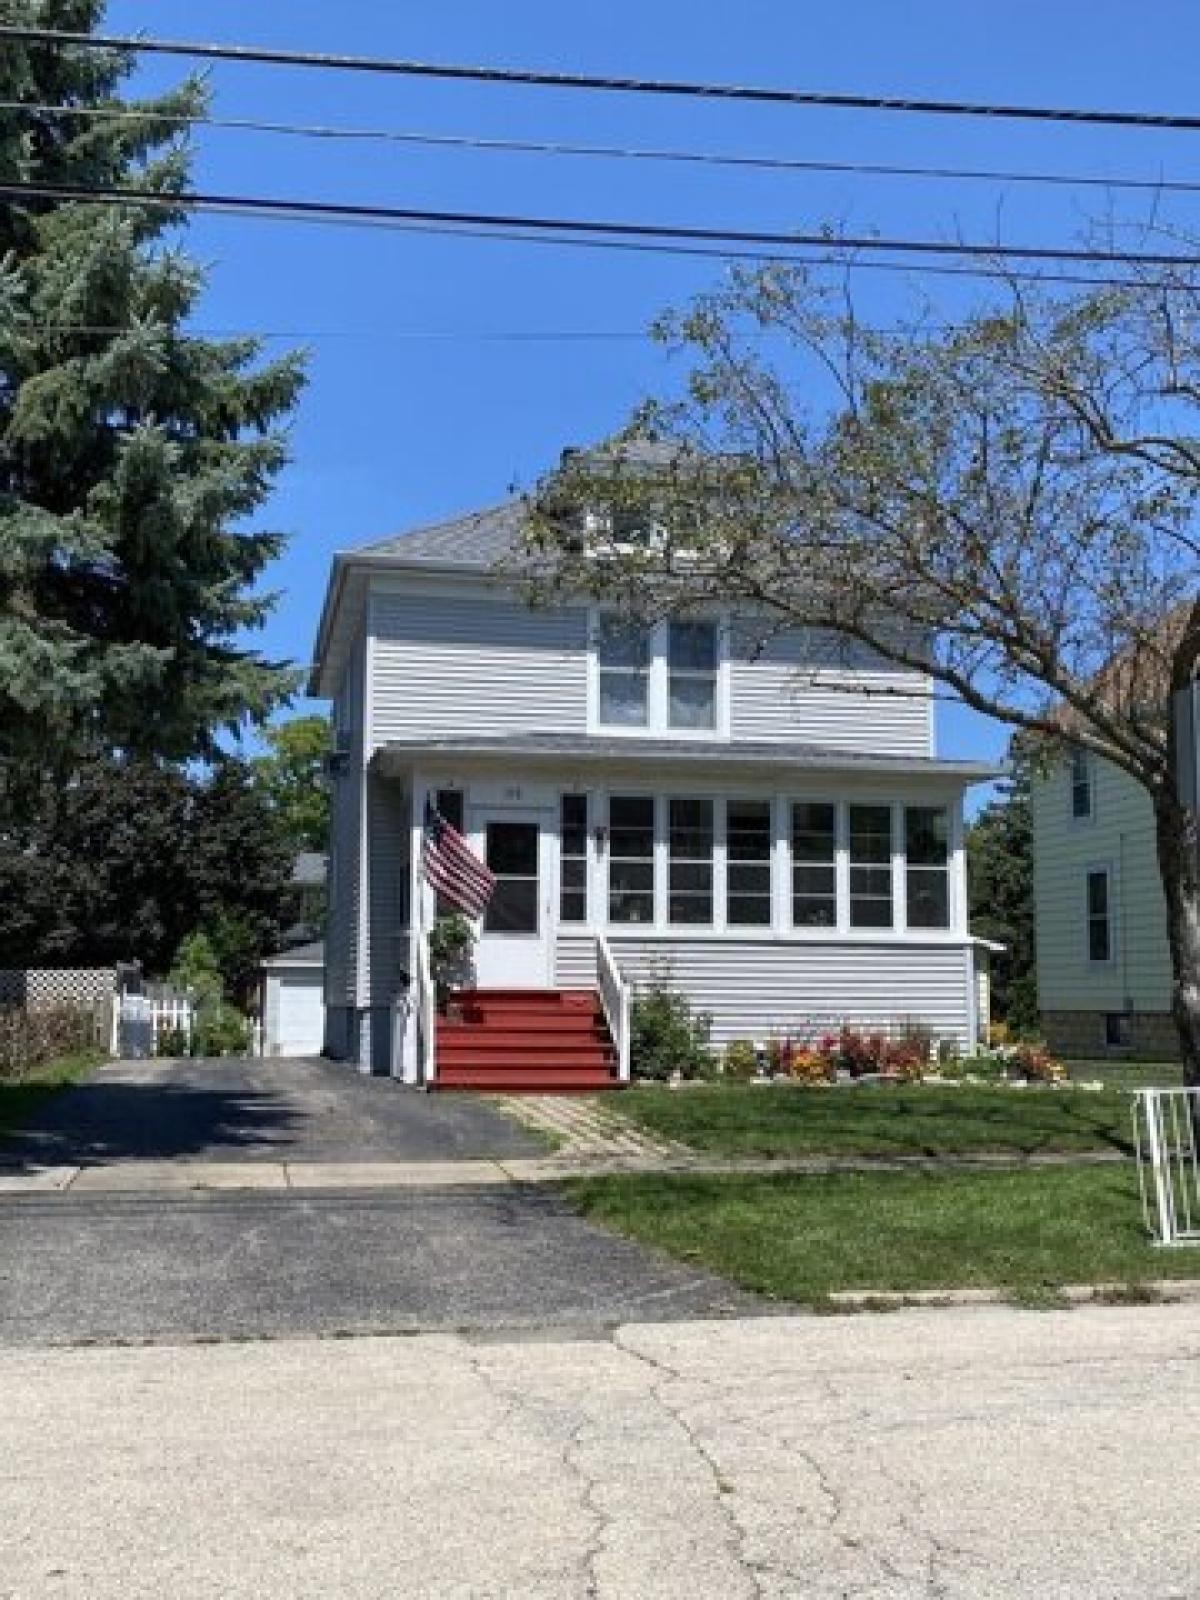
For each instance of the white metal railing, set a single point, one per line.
(1168, 1153)
(615, 1000)
(425, 1011)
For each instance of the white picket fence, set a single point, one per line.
(141, 1022)
(1168, 1152)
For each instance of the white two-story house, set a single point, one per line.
(770, 832)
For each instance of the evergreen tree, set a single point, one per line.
(132, 453)
(1000, 865)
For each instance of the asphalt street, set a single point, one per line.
(954, 1453)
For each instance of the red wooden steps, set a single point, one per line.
(536, 1041)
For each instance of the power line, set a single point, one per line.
(585, 228)
(536, 78)
(616, 152)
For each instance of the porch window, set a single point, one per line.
(623, 658)
(690, 842)
(451, 804)
(748, 871)
(631, 858)
(814, 864)
(870, 866)
(1099, 915)
(927, 866)
(573, 837)
(692, 675)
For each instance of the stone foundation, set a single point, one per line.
(1079, 1035)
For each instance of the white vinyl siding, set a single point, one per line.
(475, 664)
(344, 917)
(1121, 837)
(754, 988)
(802, 689)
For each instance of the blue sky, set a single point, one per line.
(432, 389)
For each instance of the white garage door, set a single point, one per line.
(301, 1015)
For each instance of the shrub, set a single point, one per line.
(740, 1060)
(220, 1030)
(667, 1036)
(905, 1059)
(173, 1042)
(811, 1066)
(1035, 1063)
(28, 1039)
(451, 942)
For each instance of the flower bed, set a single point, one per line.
(850, 1055)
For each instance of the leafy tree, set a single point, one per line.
(132, 453)
(129, 858)
(1000, 880)
(1006, 500)
(293, 777)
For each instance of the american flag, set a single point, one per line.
(452, 867)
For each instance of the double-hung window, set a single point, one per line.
(1100, 939)
(814, 864)
(871, 866)
(573, 858)
(690, 848)
(748, 864)
(692, 675)
(927, 866)
(1083, 798)
(623, 658)
(631, 858)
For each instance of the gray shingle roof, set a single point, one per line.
(477, 540)
(694, 752)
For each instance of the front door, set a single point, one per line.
(514, 943)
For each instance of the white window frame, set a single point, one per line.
(1088, 761)
(896, 863)
(949, 868)
(1096, 869)
(841, 871)
(657, 725)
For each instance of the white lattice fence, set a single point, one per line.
(45, 988)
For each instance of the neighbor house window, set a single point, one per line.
(1083, 797)
(690, 853)
(748, 870)
(623, 660)
(1099, 914)
(573, 862)
(814, 864)
(927, 866)
(692, 675)
(631, 858)
(870, 866)
(1118, 1030)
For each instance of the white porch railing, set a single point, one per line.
(615, 1000)
(424, 1010)
(1164, 1131)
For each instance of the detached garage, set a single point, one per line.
(293, 1002)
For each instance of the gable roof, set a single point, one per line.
(475, 541)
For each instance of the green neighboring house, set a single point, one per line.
(1103, 968)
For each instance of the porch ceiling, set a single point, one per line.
(551, 749)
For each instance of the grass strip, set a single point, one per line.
(882, 1119)
(801, 1238)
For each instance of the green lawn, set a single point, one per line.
(20, 1097)
(800, 1238)
(882, 1119)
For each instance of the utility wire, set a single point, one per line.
(584, 228)
(711, 158)
(535, 78)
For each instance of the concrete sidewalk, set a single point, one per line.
(180, 1176)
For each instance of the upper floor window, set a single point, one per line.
(1083, 797)
(657, 676)
(927, 866)
(623, 659)
(692, 675)
(1099, 914)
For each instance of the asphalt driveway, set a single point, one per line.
(259, 1110)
